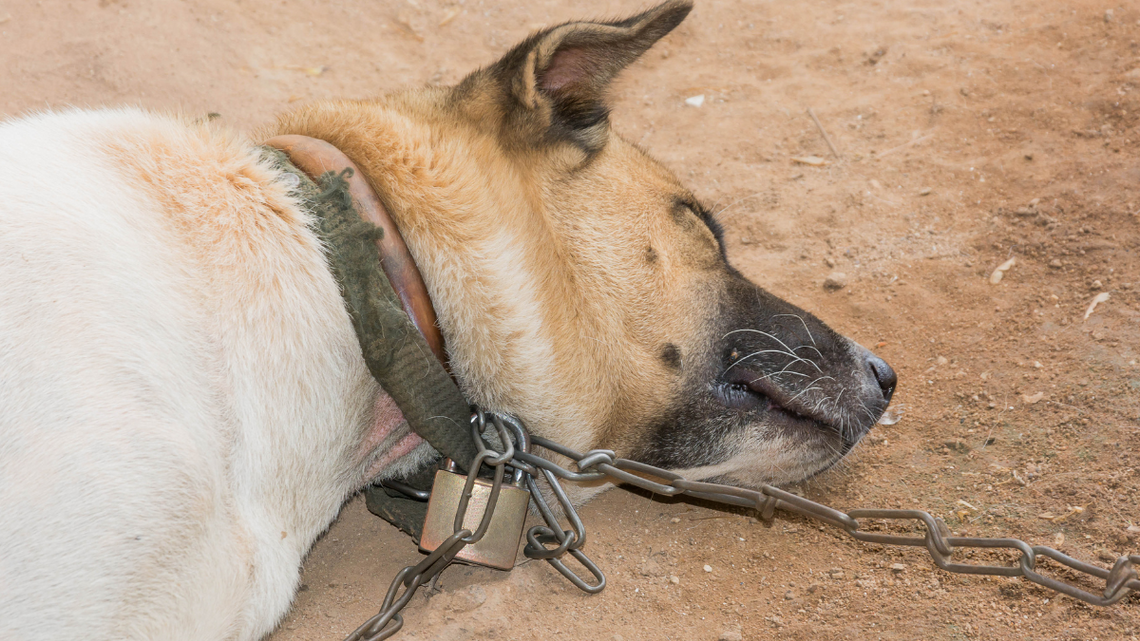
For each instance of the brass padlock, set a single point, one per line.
(500, 544)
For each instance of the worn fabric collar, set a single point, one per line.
(383, 292)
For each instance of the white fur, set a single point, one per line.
(177, 425)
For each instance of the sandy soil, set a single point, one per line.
(970, 133)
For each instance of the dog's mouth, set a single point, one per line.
(747, 390)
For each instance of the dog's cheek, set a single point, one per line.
(691, 433)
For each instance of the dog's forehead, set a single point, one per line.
(627, 177)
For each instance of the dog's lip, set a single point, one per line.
(778, 400)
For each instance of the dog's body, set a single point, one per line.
(184, 404)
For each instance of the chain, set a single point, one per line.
(598, 465)
(388, 621)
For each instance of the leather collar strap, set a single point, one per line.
(391, 311)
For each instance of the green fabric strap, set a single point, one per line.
(405, 513)
(396, 353)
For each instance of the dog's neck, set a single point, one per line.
(414, 385)
(520, 329)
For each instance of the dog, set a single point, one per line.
(184, 406)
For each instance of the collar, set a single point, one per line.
(384, 293)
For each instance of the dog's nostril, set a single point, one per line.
(884, 375)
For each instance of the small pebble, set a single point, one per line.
(708, 568)
(925, 191)
(835, 281)
(898, 567)
(675, 519)
(674, 579)
(1055, 263)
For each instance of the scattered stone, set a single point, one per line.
(1108, 15)
(708, 568)
(836, 573)
(695, 101)
(675, 580)
(925, 191)
(898, 567)
(813, 161)
(997, 274)
(675, 519)
(1096, 284)
(789, 595)
(1058, 539)
(957, 445)
(1030, 399)
(651, 567)
(835, 281)
(1098, 299)
(1076, 509)
(1106, 556)
(827, 260)
(1055, 263)
(730, 634)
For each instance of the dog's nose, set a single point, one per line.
(884, 375)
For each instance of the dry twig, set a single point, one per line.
(826, 138)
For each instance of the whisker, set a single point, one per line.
(812, 348)
(805, 391)
(768, 351)
(782, 344)
(783, 371)
(801, 320)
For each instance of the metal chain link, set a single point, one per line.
(413, 576)
(596, 465)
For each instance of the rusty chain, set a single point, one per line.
(597, 465)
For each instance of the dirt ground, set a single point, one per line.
(969, 133)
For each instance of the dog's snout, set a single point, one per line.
(884, 375)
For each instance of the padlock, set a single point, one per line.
(500, 543)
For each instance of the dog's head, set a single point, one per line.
(581, 287)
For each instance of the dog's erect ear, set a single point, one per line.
(558, 77)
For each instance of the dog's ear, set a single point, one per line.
(557, 78)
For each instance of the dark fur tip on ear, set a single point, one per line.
(562, 74)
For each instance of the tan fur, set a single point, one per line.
(461, 199)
